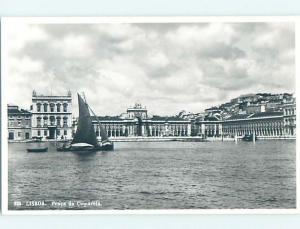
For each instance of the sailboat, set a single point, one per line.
(85, 138)
(249, 137)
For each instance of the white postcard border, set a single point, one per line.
(10, 21)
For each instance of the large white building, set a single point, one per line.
(51, 116)
(136, 122)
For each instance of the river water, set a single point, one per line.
(155, 175)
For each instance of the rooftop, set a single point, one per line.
(238, 116)
(266, 114)
(18, 112)
(255, 115)
(107, 118)
(211, 118)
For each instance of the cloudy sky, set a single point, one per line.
(167, 67)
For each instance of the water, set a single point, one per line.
(156, 175)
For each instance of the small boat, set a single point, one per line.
(36, 139)
(249, 138)
(85, 137)
(37, 150)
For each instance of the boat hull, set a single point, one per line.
(249, 138)
(37, 150)
(106, 147)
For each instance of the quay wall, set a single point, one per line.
(171, 138)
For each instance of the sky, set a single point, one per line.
(167, 67)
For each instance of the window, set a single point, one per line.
(65, 122)
(58, 132)
(52, 105)
(65, 132)
(65, 107)
(10, 123)
(39, 133)
(11, 136)
(38, 106)
(52, 120)
(38, 121)
(19, 123)
(58, 122)
(45, 121)
(45, 107)
(26, 135)
(19, 134)
(45, 132)
(58, 107)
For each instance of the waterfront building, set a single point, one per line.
(136, 122)
(51, 116)
(19, 123)
(208, 126)
(52, 119)
(169, 126)
(265, 114)
(262, 124)
(289, 118)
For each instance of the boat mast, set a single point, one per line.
(100, 125)
(83, 95)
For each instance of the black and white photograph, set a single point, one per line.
(155, 114)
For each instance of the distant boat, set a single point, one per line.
(249, 137)
(85, 137)
(37, 150)
(36, 139)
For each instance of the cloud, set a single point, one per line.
(167, 67)
(74, 46)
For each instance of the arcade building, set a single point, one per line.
(136, 122)
(263, 124)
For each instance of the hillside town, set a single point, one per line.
(267, 115)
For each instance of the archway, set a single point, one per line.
(139, 126)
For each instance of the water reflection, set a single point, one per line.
(84, 155)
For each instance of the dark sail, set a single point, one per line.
(85, 131)
(103, 134)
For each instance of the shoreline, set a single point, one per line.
(164, 139)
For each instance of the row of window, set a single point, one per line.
(52, 107)
(19, 117)
(113, 126)
(11, 135)
(46, 132)
(19, 123)
(114, 133)
(289, 111)
(52, 121)
(258, 124)
(159, 127)
(290, 121)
